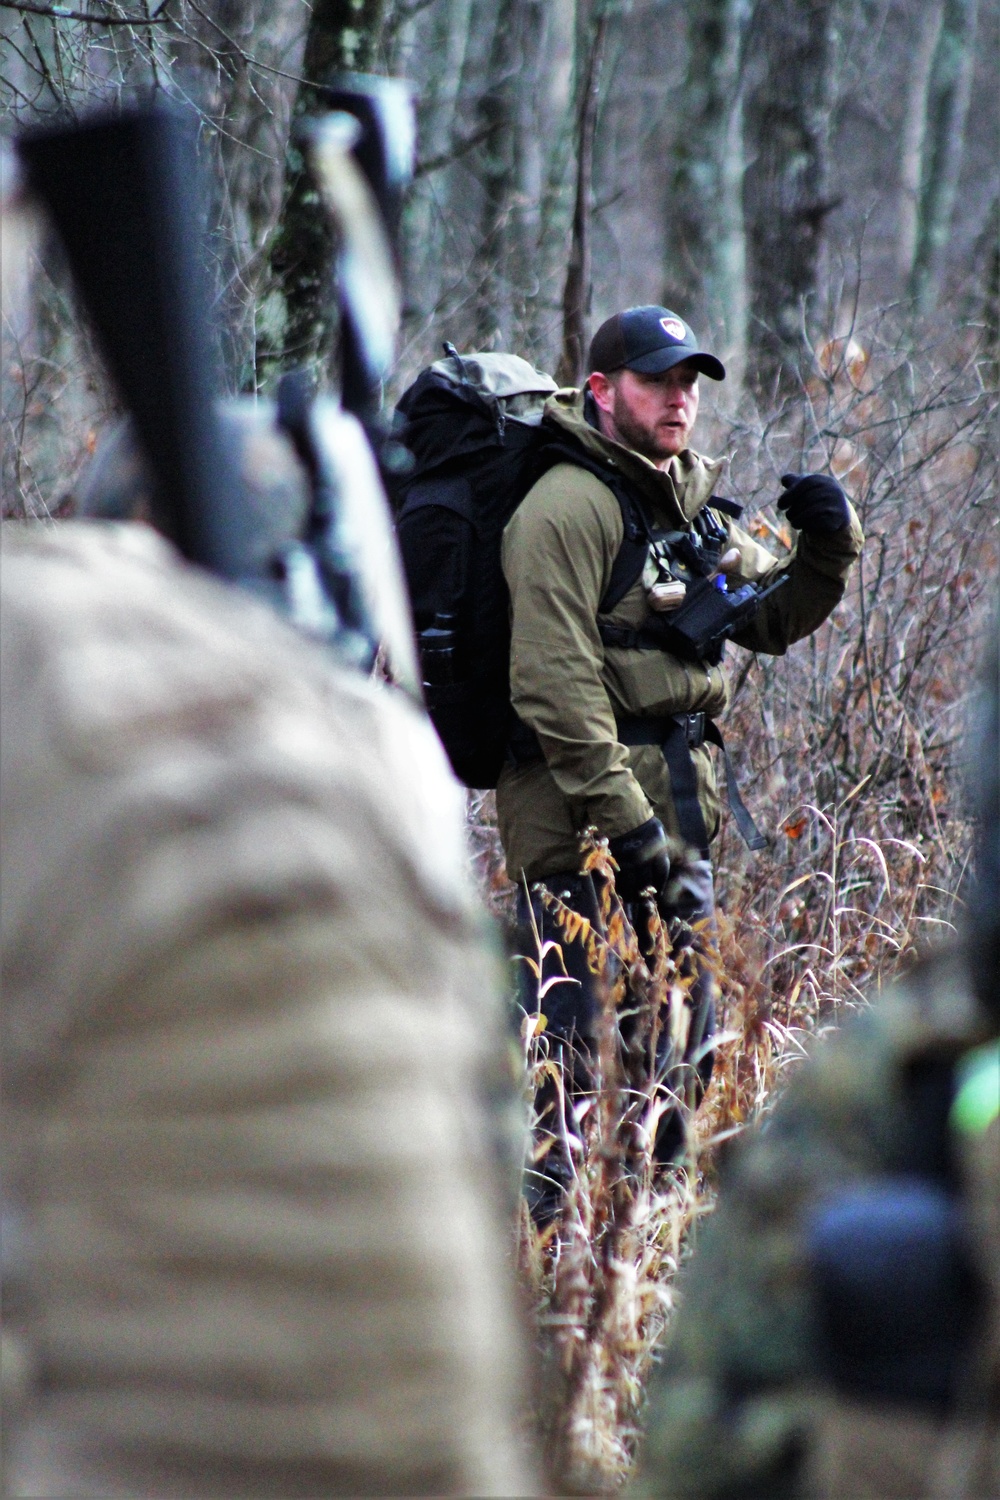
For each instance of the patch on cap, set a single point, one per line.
(674, 328)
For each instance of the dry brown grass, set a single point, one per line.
(600, 1273)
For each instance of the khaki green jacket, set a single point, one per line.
(741, 1408)
(259, 1234)
(558, 552)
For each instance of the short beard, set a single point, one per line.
(633, 435)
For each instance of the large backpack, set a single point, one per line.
(474, 426)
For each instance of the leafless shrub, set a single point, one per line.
(851, 746)
(56, 400)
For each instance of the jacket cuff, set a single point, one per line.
(620, 810)
(832, 553)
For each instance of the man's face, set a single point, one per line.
(653, 414)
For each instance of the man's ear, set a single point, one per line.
(602, 390)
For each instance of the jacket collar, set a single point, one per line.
(678, 492)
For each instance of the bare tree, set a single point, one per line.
(786, 188)
(947, 105)
(440, 131)
(494, 163)
(925, 41)
(706, 248)
(236, 60)
(232, 64)
(576, 291)
(343, 35)
(486, 227)
(747, 121)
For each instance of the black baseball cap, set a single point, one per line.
(649, 340)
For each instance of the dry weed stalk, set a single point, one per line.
(601, 1271)
(602, 1274)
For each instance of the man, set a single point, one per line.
(839, 1333)
(614, 716)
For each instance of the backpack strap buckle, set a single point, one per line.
(693, 726)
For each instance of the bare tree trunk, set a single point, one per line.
(495, 118)
(301, 315)
(576, 291)
(250, 108)
(914, 131)
(556, 132)
(489, 201)
(706, 270)
(530, 170)
(785, 196)
(439, 131)
(947, 108)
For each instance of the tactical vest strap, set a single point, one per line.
(677, 736)
(749, 832)
(523, 747)
(629, 639)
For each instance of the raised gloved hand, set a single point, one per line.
(814, 502)
(642, 860)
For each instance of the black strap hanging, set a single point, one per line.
(749, 832)
(684, 785)
(677, 736)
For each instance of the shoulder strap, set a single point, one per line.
(731, 508)
(631, 558)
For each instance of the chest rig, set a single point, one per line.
(683, 556)
(685, 559)
(689, 557)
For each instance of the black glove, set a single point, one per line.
(690, 891)
(814, 502)
(641, 857)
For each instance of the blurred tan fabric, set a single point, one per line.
(259, 1228)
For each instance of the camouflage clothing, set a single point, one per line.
(263, 1240)
(558, 552)
(743, 1405)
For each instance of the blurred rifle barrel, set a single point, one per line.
(122, 193)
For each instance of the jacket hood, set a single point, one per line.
(679, 491)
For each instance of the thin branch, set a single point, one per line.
(445, 158)
(63, 13)
(43, 66)
(242, 54)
